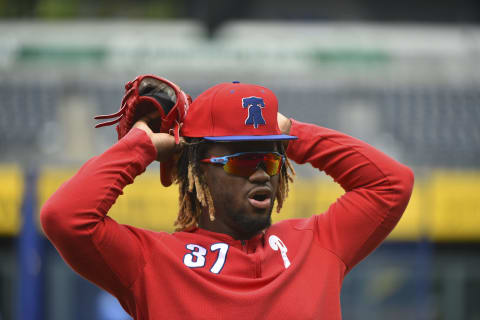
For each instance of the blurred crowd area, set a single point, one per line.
(214, 12)
(410, 89)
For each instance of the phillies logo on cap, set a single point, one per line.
(255, 106)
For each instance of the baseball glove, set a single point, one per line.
(145, 95)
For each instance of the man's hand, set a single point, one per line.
(283, 123)
(163, 142)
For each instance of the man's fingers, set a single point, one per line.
(152, 120)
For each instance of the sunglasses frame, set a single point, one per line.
(224, 159)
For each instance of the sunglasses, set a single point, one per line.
(244, 164)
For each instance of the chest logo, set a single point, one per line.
(277, 245)
(255, 106)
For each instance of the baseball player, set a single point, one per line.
(231, 153)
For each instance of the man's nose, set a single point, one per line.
(260, 175)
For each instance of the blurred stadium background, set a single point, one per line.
(404, 76)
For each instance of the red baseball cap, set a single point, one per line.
(234, 112)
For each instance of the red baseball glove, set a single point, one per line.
(145, 95)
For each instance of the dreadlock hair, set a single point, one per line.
(194, 194)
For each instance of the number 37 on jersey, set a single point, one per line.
(196, 254)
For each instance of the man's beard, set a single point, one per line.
(249, 226)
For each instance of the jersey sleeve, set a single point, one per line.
(377, 190)
(75, 217)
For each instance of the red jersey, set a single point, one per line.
(293, 270)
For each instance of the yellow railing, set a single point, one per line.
(445, 205)
(11, 192)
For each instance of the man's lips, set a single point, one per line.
(260, 197)
(263, 204)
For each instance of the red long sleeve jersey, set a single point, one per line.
(294, 270)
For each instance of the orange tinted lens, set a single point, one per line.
(273, 164)
(242, 166)
(246, 165)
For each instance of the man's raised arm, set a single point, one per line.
(75, 217)
(377, 187)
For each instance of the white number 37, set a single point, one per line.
(196, 258)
